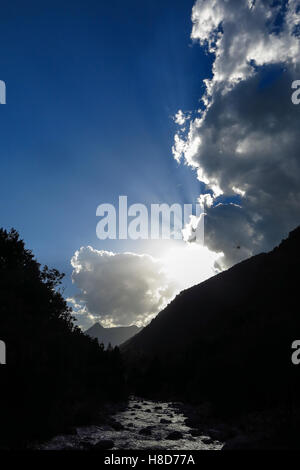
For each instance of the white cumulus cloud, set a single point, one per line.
(244, 142)
(119, 288)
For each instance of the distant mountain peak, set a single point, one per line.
(115, 335)
(97, 325)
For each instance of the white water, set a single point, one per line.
(138, 415)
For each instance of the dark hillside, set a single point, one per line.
(227, 340)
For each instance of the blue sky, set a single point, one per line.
(91, 88)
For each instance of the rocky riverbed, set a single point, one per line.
(142, 425)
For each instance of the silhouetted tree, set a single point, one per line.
(55, 375)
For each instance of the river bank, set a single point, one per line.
(273, 429)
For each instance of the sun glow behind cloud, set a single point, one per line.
(188, 264)
(120, 289)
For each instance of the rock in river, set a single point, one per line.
(174, 436)
(103, 444)
(146, 431)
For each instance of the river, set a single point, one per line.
(144, 425)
